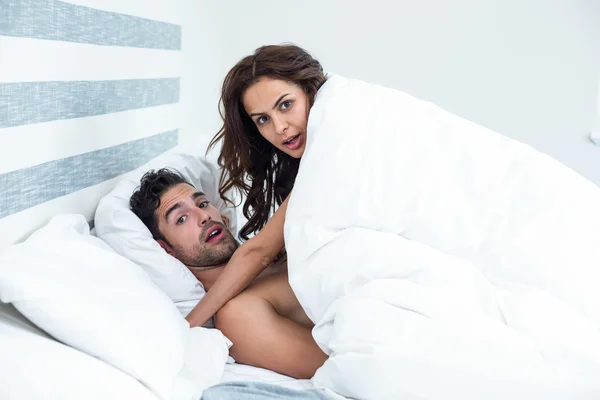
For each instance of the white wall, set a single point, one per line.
(528, 69)
(201, 73)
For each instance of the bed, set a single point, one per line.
(483, 254)
(30, 351)
(52, 283)
(92, 122)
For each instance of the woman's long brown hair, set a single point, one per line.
(250, 164)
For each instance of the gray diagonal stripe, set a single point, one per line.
(57, 20)
(34, 102)
(28, 187)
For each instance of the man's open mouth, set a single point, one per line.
(214, 234)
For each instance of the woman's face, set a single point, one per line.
(279, 110)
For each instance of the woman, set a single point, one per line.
(266, 99)
(460, 269)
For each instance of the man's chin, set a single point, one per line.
(216, 256)
(206, 267)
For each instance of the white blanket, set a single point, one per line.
(439, 259)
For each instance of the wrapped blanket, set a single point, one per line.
(439, 259)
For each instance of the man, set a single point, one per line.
(266, 323)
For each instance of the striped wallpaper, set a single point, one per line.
(89, 90)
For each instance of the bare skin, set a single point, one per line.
(265, 322)
(270, 329)
(279, 109)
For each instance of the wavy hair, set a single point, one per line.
(250, 164)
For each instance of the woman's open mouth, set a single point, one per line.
(294, 142)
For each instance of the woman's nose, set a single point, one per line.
(281, 125)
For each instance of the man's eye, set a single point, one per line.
(181, 220)
(204, 204)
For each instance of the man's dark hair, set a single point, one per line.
(146, 198)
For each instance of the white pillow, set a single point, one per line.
(35, 367)
(118, 226)
(79, 291)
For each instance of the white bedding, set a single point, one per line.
(439, 259)
(116, 325)
(35, 366)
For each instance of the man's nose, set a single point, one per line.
(202, 216)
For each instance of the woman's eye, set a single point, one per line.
(261, 120)
(286, 104)
(204, 204)
(181, 220)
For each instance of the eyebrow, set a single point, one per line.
(177, 205)
(274, 106)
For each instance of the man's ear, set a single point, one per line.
(165, 246)
(226, 221)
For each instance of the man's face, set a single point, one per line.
(193, 228)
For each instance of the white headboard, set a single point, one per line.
(89, 90)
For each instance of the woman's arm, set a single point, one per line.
(249, 260)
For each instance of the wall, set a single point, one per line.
(89, 90)
(530, 70)
(203, 49)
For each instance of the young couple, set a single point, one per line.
(266, 100)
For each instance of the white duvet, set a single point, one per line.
(439, 259)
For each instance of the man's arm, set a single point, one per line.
(263, 338)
